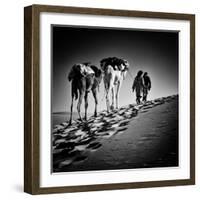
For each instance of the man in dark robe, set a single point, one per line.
(147, 86)
(138, 86)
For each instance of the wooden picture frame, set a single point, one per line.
(32, 105)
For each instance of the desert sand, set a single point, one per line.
(134, 136)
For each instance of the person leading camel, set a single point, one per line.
(138, 86)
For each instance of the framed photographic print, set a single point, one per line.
(109, 99)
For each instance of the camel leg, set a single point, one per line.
(79, 104)
(107, 101)
(70, 120)
(117, 95)
(94, 92)
(86, 104)
(107, 95)
(113, 98)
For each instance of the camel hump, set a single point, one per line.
(96, 70)
(116, 63)
(79, 70)
(89, 70)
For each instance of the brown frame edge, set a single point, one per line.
(31, 99)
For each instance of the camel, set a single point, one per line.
(84, 78)
(114, 73)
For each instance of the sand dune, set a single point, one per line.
(134, 136)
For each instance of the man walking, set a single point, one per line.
(147, 86)
(138, 86)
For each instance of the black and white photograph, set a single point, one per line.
(115, 98)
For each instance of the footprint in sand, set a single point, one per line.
(58, 127)
(94, 146)
(65, 156)
(124, 123)
(81, 147)
(56, 151)
(58, 141)
(121, 130)
(102, 134)
(147, 107)
(57, 137)
(70, 161)
(65, 163)
(143, 111)
(65, 145)
(80, 159)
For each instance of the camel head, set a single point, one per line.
(124, 66)
(104, 63)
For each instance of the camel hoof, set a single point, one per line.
(70, 123)
(80, 120)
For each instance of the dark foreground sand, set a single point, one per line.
(131, 137)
